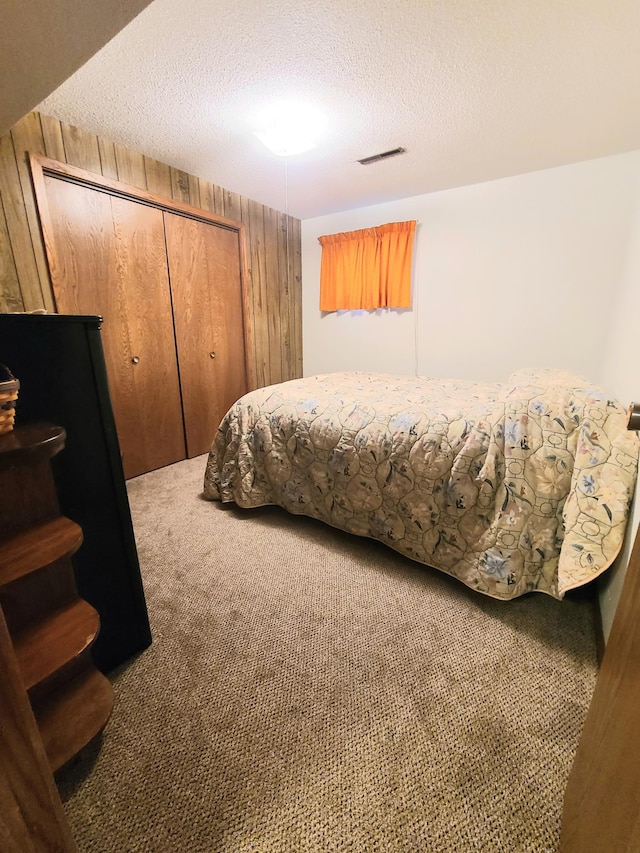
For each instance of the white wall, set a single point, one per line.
(511, 273)
(536, 270)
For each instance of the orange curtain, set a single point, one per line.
(367, 269)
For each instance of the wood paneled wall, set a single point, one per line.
(273, 239)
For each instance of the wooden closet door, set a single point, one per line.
(107, 256)
(204, 268)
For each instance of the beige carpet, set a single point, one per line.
(311, 691)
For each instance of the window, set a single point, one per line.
(367, 269)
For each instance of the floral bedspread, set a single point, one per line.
(509, 487)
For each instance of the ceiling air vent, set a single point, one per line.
(375, 157)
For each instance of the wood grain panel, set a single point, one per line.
(285, 296)
(10, 293)
(249, 346)
(207, 196)
(218, 201)
(18, 226)
(232, 204)
(179, 185)
(158, 177)
(257, 261)
(204, 265)
(81, 148)
(52, 137)
(194, 191)
(294, 249)
(273, 284)
(108, 165)
(130, 167)
(211, 197)
(251, 295)
(27, 138)
(107, 257)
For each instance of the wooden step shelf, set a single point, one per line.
(44, 648)
(70, 717)
(37, 547)
(51, 627)
(39, 441)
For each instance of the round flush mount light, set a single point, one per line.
(289, 127)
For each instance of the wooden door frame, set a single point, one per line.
(43, 166)
(601, 803)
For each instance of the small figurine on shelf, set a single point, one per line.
(9, 387)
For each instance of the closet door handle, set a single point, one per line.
(135, 360)
(212, 355)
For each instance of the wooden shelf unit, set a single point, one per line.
(74, 627)
(63, 730)
(52, 629)
(37, 547)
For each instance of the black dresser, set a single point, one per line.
(60, 364)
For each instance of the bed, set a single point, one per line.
(509, 487)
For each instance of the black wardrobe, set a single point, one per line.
(60, 364)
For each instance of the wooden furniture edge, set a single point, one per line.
(32, 818)
(601, 810)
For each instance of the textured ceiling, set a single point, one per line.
(473, 89)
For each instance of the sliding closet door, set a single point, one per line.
(107, 256)
(204, 268)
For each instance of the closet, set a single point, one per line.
(168, 280)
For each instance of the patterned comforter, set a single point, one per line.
(509, 487)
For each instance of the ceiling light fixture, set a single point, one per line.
(289, 128)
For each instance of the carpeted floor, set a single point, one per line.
(309, 691)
